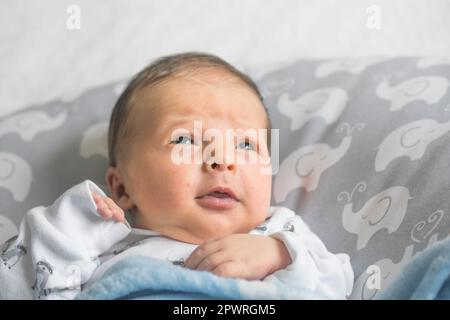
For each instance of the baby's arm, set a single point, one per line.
(56, 249)
(245, 256)
(313, 267)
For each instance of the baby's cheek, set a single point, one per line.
(181, 183)
(264, 192)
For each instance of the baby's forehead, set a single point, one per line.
(202, 76)
(199, 95)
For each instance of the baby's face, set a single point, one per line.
(175, 199)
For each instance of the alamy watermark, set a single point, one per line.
(73, 21)
(373, 21)
(373, 282)
(235, 146)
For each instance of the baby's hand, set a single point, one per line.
(246, 256)
(108, 209)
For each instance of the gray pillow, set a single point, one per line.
(363, 155)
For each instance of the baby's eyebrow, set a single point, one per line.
(174, 124)
(167, 126)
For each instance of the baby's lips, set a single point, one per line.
(220, 189)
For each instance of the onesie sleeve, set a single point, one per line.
(56, 250)
(313, 267)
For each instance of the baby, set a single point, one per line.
(211, 214)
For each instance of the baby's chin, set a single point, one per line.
(193, 238)
(198, 230)
(202, 237)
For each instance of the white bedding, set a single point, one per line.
(41, 60)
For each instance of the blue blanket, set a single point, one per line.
(147, 278)
(426, 276)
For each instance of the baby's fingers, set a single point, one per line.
(117, 212)
(96, 197)
(201, 252)
(103, 208)
(214, 260)
(108, 209)
(228, 269)
(100, 203)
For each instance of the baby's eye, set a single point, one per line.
(247, 145)
(183, 140)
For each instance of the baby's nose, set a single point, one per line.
(214, 166)
(220, 160)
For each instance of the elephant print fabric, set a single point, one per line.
(363, 153)
(43, 272)
(364, 157)
(11, 252)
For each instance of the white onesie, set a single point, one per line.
(63, 247)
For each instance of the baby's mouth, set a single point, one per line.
(218, 198)
(218, 195)
(220, 192)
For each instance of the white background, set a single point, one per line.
(42, 60)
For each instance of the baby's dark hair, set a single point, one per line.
(160, 70)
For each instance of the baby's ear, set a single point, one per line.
(116, 188)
